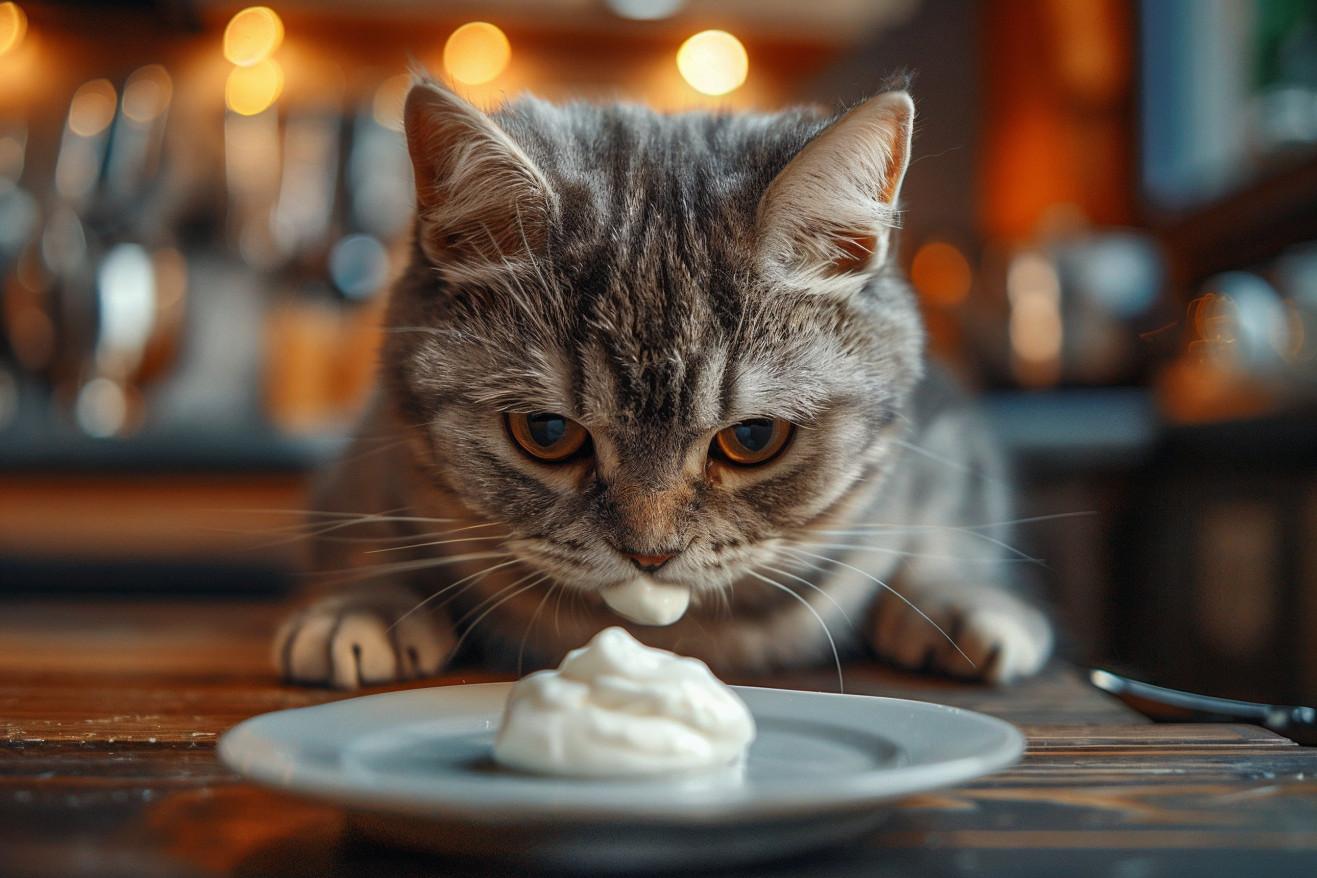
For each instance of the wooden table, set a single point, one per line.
(111, 711)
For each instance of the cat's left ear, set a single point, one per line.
(829, 214)
(481, 200)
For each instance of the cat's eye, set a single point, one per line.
(547, 436)
(752, 441)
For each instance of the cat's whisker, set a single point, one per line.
(805, 564)
(476, 580)
(521, 650)
(472, 579)
(867, 548)
(717, 646)
(890, 590)
(323, 531)
(836, 657)
(268, 510)
(325, 536)
(503, 597)
(821, 591)
(725, 602)
(577, 605)
(394, 538)
(299, 525)
(557, 609)
(291, 533)
(956, 465)
(367, 519)
(976, 533)
(381, 445)
(485, 601)
(991, 525)
(341, 519)
(377, 571)
(443, 542)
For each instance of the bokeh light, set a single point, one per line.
(92, 109)
(941, 274)
(147, 93)
(64, 242)
(13, 25)
(252, 36)
(714, 62)
(646, 10)
(125, 283)
(1036, 331)
(359, 265)
(476, 53)
(102, 408)
(389, 98)
(252, 90)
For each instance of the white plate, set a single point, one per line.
(414, 768)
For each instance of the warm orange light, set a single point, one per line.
(941, 274)
(147, 93)
(476, 53)
(252, 36)
(1036, 330)
(251, 90)
(13, 25)
(714, 62)
(389, 97)
(92, 108)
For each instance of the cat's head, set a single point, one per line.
(641, 340)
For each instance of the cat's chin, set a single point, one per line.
(646, 601)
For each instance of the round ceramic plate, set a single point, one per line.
(414, 767)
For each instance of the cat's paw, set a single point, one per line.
(349, 641)
(985, 634)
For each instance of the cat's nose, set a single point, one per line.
(650, 563)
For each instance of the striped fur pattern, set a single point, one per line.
(657, 279)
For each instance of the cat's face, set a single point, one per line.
(652, 346)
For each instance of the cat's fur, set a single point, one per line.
(657, 279)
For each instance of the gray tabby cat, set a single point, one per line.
(660, 371)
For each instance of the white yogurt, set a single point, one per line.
(618, 708)
(647, 602)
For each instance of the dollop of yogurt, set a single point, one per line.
(618, 708)
(646, 602)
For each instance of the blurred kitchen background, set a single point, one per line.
(1111, 221)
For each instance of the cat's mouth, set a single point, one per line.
(646, 601)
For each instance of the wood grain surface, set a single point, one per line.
(110, 713)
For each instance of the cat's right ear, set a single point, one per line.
(480, 199)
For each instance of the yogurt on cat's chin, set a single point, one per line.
(617, 708)
(646, 601)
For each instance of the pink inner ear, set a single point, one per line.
(504, 215)
(432, 131)
(896, 162)
(855, 249)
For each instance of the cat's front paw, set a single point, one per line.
(349, 641)
(985, 634)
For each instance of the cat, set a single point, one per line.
(663, 369)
